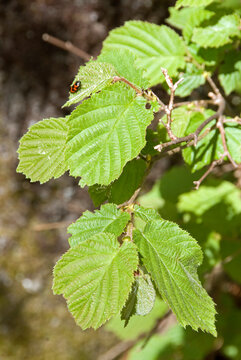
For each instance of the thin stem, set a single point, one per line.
(66, 45)
(168, 108)
(119, 78)
(223, 138)
(197, 103)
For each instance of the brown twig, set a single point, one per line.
(119, 78)
(168, 108)
(162, 325)
(210, 169)
(66, 45)
(197, 103)
(222, 133)
(51, 226)
(194, 135)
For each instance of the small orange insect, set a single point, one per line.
(75, 87)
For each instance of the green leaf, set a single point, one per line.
(200, 201)
(172, 256)
(191, 81)
(219, 34)
(182, 119)
(141, 298)
(99, 194)
(122, 188)
(94, 76)
(233, 136)
(230, 72)
(124, 62)
(188, 18)
(107, 219)
(146, 214)
(209, 56)
(196, 18)
(131, 178)
(96, 277)
(106, 132)
(193, 3)
(211, 148)
(155, 46)
(42, 148)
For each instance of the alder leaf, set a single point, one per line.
(94, 76)
(96, 277)
(210, 148)
(230, 72)
(219, 34)
(192, 79)
(124, 62)
(107, 219)
(129, 181)
(187, 19)
(105, 132)
(194, 3)
(146, 214)
(42, 148)
(155, 47)
(141, 298)
(172, 256)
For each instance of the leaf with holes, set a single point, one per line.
(105, 132)
(155, 47)
(42, 148)
(96, 277)
(172, 256)
(93, 77)
(107, 219)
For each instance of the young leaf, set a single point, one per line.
(42, 148)
(219, 34)
(155, 46)
(193, 3)
(95, 277)
(172, 256)
(191, 80)
(105, 132)
(230, 72)
(124, 62)
(107, 219)
(146, 214)
(94, 76)
(141, 298)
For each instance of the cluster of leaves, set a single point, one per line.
(119, 257)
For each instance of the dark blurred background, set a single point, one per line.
(34, 79)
